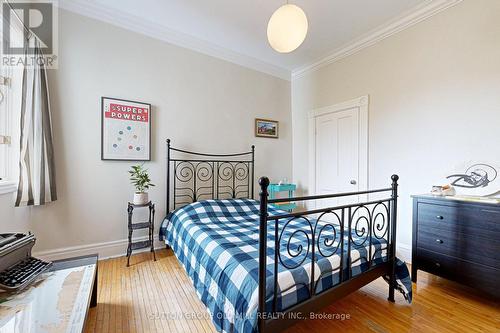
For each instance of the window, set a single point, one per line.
(4, 122)
(10, 107)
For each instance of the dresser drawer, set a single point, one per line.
(464, 246)
(460, 218)
(480, 277)
(437, 216)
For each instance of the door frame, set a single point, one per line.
(362, 104)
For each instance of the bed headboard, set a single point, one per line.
(194, 176)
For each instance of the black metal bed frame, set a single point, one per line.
(217, 176)
(357, 224)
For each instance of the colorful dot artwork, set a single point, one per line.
(125, 138)
(126, 130)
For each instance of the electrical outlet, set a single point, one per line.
(4, 140)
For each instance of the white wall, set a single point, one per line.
(200, 102)
(434, 100)
(434, 103)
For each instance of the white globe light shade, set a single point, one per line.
(287, 28)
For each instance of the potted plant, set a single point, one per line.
(139, 177)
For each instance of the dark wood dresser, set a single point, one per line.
(458, 240)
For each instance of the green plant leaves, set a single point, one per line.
(139, 178)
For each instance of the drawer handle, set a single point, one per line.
(439, 217)
(439, 241)
(438, 265)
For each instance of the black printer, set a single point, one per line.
(17, 267)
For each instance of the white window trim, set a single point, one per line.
(12, 101)
(7, 186)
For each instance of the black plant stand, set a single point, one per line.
(142, 225)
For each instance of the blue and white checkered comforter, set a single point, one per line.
(217, 243)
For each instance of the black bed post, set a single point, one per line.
(168, 177)
(252, 180)
(264, 183)
(167, 208)
(392, 254)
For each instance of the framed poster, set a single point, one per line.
(125, 130)
(266, 128)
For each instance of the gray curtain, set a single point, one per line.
(37, 183)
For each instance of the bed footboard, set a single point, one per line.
(328, 231)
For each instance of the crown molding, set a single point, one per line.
(139, 25)
(418, 14)
(136, 24)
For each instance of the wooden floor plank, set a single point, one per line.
(145, 296)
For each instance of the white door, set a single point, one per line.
(339, 150)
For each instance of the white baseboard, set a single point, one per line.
(105, 250)
(403, 252)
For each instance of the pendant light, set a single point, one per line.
(287, 28)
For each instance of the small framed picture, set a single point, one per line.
(266, 128)
(125, 130)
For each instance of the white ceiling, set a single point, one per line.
(239, 26)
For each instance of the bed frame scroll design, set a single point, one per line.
(198, 176)
(193, 176)
(353, 225)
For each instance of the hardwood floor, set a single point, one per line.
(159, 297)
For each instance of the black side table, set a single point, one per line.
(141, 225)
